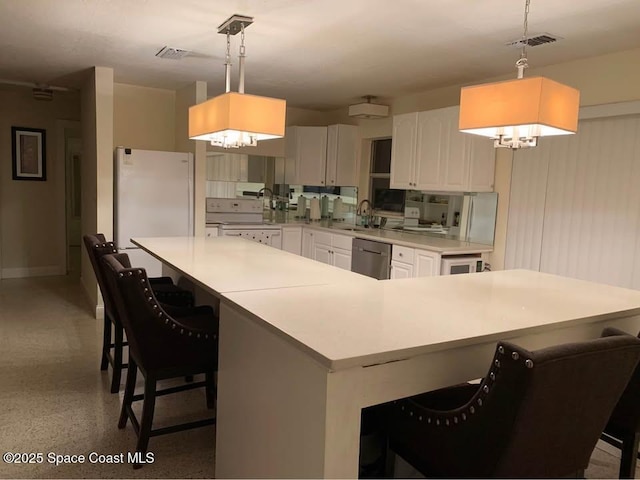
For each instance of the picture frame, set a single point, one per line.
(29, 153)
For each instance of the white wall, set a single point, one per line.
(144, 117)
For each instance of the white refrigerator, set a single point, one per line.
(153, 197)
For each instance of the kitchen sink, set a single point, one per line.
(355, 229)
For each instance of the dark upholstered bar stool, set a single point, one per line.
(623, 427)
(163, 287)
(536, 414)
(161, 346)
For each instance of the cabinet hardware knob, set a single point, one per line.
(399, 254)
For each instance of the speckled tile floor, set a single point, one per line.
(53, 398)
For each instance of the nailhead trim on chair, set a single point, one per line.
(452, 420)
(156, 306)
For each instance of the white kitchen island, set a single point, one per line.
(298, 363)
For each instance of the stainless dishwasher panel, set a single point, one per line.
(370, 258)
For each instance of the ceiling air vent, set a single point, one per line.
(172, 53)
(534, 40)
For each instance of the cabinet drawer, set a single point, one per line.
(342, 241)
(402, 254)
(322, 238)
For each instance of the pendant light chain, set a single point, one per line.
(241, 58)
(523, 63)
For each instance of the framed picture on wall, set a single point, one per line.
(29, 159)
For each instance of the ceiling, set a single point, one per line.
(319, 54)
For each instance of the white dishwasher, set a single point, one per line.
(242, 217)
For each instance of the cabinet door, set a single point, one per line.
(456, 171)
(341, 155)
(311, 155)
(321, 253)
(341, 258)
(482, 163)
(403, 150)
(401, 270)
(292, 239)
(256, 168)
(427, 264)
(307, 243)
(430, 151)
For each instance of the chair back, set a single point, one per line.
(536, 414)
(562, 398)
(97, 247)
(151, 331)
(625, 419)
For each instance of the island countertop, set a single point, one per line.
(360, 324)
(232, 264)
(343, 319)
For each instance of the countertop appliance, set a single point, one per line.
(371, 258)
(242, 217)
(454, 265)
(153, 197)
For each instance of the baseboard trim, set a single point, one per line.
(24, 272)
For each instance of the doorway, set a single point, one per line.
(69, 136)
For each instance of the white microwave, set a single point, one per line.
(461, 264)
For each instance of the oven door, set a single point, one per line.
(273, 238)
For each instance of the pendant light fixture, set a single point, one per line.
(236, 119)
(516, 112)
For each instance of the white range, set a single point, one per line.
(242, 217)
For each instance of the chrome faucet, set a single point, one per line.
(267, 189)
(362, 202)
(359, 210)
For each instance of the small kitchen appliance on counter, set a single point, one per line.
(314, 210)
(338, 212)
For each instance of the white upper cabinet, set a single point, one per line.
(321, 156)
(342, 155)
(430, 153)
(403, 151)
(227, 167)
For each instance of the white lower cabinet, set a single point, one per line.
(426, 264)
(332, 249)
(308, 243)
(401, 270)
(407, 262)
(342, 258)
(292, 240)
(322, 253)
(401, 262)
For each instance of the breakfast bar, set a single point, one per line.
(302, 351)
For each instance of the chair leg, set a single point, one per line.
(629, 456)
(106, 343)
(129, 390)
(117, 359)
(210, 389)
(148, 406)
